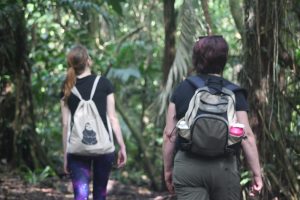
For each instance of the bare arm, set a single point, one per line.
(251, 152)
(169, 146)
(111, 112)
(65, 118)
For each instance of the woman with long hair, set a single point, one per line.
(80, 167)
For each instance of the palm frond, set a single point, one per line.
(182, 62)
(123, 74)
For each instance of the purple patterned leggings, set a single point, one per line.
(81, 167)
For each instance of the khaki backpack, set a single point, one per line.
(204, 130)
(87, 134)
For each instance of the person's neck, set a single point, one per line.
(86, 72)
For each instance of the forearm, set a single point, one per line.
(117, 131)
(65, 137)
(249, 144)
(113, 119)
(169, 138)
(65, 123)
(168, 152)
(251, 154)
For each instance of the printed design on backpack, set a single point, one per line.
(87, 134)
(204, 130)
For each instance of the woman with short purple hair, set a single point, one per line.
(194, 177)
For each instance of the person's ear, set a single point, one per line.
(89, 61)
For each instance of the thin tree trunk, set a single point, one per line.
(170, 33)
(144, 155)
(208, 25)
(235, 9)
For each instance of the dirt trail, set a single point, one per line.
(12, 187)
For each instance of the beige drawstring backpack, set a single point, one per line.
(87, 134)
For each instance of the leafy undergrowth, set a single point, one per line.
(12, 187)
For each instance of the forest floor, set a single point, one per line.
(12, 187)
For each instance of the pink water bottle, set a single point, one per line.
(237, 130)
(236, 133)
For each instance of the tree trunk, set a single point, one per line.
(208, 22)
(144, 155)
(25, 147)
(264, 22)
(170, 34)
(235, 9)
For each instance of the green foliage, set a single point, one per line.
(116, 5)
(132, 63)
(37, 176)
(246, 178)
(125, 40)
(297, 56)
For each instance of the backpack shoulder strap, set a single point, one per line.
(94, 87)
(235, 88)
(196, 81)
(232, 87)
(76, 92)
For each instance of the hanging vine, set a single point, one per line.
(271, 82)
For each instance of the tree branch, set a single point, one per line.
(149, 167)
(235, 9)
(204, 5)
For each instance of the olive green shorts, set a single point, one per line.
(197, 178)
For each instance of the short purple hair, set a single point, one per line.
(210, 54)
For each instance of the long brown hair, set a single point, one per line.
(77, 60)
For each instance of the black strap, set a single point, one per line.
(198, 82)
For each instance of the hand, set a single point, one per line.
(169, 181)
(256, 187)
(122, 158)
(66, 170)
